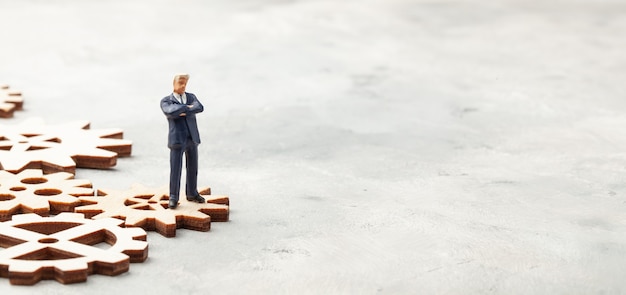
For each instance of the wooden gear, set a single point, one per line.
(10, 101)
(30, 191)
(148, 208)
(63, 248)
(61, 147)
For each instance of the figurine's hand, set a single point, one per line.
(183, 114)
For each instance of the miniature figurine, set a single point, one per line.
(181, 108)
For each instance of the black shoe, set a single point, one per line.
(196, 198)
(173, 204)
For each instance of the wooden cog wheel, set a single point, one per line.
(10, 101)
(61, 147)
(30, 191)
(67, 248)
(148, 208)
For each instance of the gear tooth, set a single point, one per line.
(115, 133)
(114, 257)
(13, 164)
(104, 192)
(100, 215)
(109, 221)
(70, 215)
(94, 199)
(27, 173)
(25, 217)
(80, 191)
(61, 176)
(87, 203)
(137, 233)
(25, 273)
(85, 208)
(223, 200)
(85, 125)
(72, 125)
(89, 211)
(136, 245)
(24, 267)
(79, 183)
(71, 265)
(205, 191)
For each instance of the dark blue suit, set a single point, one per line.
(183, 137)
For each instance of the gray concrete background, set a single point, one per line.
(368, 147)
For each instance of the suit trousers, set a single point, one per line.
(190, 149)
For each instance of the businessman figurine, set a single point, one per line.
(181, 108)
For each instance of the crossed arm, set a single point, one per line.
(172, 109)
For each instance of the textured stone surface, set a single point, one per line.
(368, 147)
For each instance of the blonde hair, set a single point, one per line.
(181, 76)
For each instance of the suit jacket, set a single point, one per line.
(181, 127)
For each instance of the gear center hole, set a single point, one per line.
(48, 240)
(34, 180)
(17, 188)
(47, 192)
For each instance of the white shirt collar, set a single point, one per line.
(180, 97)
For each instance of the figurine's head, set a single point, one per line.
(180, 83)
